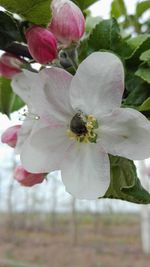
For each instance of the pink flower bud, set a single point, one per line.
(42, 44)
(67, 21)
(10, 65)
(26, 178)
(10, 136)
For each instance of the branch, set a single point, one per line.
(19, 50)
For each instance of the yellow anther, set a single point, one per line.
(91, 118)
(89, 126)
(88, 137)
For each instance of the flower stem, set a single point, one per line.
(73, 62)
(72, 56)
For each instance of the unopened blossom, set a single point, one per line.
(42, 44)
(67, 22)
(26, 178)
(10, 65)
(10, 136)
(78, 122)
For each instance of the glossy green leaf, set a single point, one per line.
(144, 73)
(84, 4)
(105, 35)
(138, 45)
(146, 105)
(9, 102)
(145, 56)
(91, 22)
(142, 7)
(9, 31)
(35, 11)
(118, 8)
(124, 183)
(138, 91)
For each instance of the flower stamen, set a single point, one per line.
(27, 115)
(82, 128)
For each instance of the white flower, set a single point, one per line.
(79, 123)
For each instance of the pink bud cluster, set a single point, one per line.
(66, 26)
(25, 178)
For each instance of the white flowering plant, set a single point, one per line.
(88, 107)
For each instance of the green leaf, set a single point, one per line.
(142, 7)
(9, 31)
(146, 105)
(35, 11)
(144, 73)
(9, 102)
(105, 35)
(138, 45)
(83, 50)
(118, 8)
(84, 4)
(136, 42)
(91, 22)
(145, 56)
(124, 183)
(138, 90)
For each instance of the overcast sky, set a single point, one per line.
(102, 8)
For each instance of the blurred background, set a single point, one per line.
(44, 226)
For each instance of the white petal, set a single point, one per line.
(86, 171)
(46, 93)
(125, 132)
(24, 133)
(53, 100)
(44, 150)
(24, 83)
(98, 85)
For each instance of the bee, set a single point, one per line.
(78, 125)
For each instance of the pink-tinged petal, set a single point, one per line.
(86, 171)
(45, 148)
(10, 136)
(148, 171)
(26, 178)
(53, 100)
(67, 22)
(42, 44)
(10, 65)
(125, 132)
(98, 84)
(24, 133)
(46, 93)
(23, 83)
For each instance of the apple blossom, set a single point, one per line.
(77, 122)
(10, 136)
(10, 65)
(26, 178)
(67, 21)
(42, 44)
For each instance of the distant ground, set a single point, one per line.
(96, 241)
